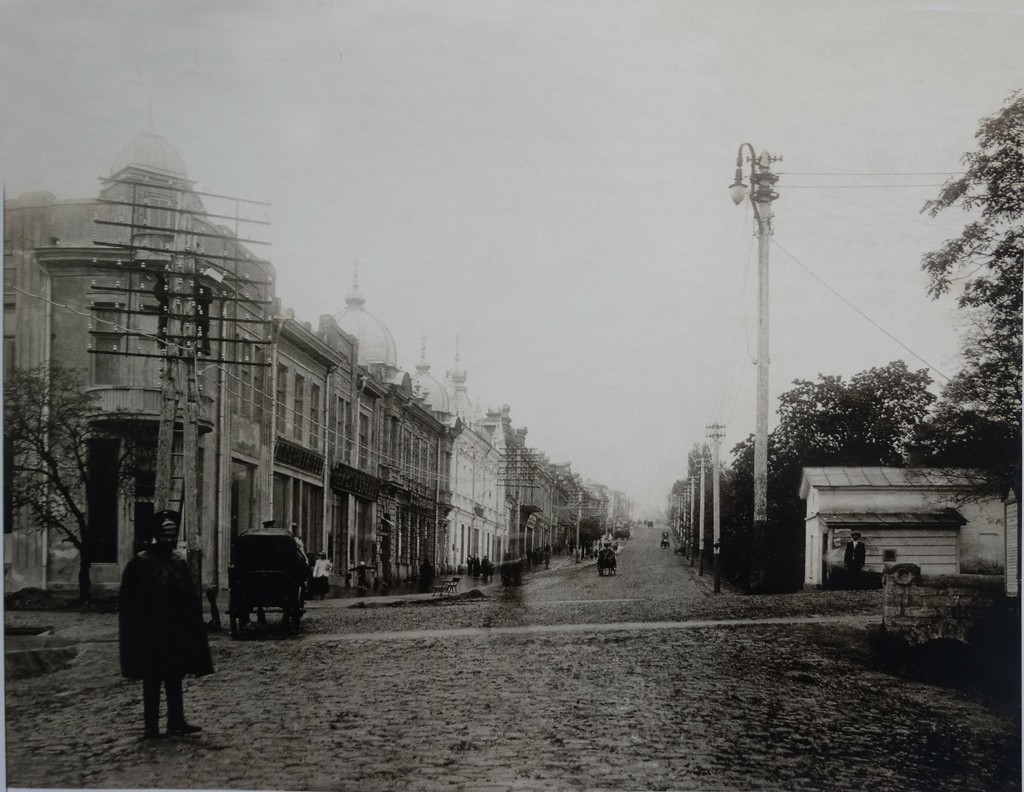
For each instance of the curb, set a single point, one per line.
(22, 662)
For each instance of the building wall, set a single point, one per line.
(978, 547)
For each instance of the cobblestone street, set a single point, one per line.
(643, 680)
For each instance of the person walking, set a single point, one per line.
(322, 569)
(161, 630)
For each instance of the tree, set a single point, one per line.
(591, 529)
(870, 420)
(48, 434)
(978, 419)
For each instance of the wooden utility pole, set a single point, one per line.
(701, 528)
(693, 523)
(716, 432)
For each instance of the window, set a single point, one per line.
(107, 344)
(314, 417)
(888, 555)
(280, 398)
(101, 496)
(8, 355)
(364, 439)
(300, 406)
(243, 487)
(344, 445)
(242, 386)
(257, 385)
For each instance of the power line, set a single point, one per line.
(858, 310)
(857, 186)
(903, 173)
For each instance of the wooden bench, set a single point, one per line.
(451, 587)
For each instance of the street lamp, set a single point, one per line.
(761, 193)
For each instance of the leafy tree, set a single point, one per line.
(48, 431)
(591, 529)
(872, 419)
(978, 420)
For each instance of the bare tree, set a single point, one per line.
(48, 428)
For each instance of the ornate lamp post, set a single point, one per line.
(761, 193)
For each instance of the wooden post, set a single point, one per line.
(192, 496)
(165, 437)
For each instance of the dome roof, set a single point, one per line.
(376, 344)
(149, 151)
(429, 388)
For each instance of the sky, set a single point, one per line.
(547, 182)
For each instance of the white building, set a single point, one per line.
(936, 519)
(477, 523)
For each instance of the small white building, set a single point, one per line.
(938, 519)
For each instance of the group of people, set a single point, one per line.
(539, 555)
(479, 568)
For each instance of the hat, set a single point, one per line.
(855, 535)
(159, 517)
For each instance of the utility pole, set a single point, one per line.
(701, 528)
(761, 193)
(716, 432)
(693, 523)
(184, 281)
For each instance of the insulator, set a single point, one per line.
(89, 346)
(117, 283)
(93, 284)
(113, 347)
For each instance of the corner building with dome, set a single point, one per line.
(168, 314)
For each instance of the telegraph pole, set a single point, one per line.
(761, 194)
(716, 432)
(701, 528)
(184, 281)
(693, 523)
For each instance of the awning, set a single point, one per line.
(947, 517)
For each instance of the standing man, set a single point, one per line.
(853, 558)
(163, 637)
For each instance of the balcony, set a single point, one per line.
(125, 404)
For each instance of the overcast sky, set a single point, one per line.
(549, 181)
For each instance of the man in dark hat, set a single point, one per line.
(853, 558)
(163, 637)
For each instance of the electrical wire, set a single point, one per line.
(880, 173)
(858, 310)
(247, 394)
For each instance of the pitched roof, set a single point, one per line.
(876, 477)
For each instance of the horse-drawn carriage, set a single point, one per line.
(606, 561)
(268, 572)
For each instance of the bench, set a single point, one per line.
(451, 587)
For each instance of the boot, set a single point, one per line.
(176, 723)
(151, 708)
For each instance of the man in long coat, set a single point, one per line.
(163, 637)
(854, 557)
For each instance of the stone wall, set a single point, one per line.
(919, 608)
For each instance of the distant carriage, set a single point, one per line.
(607, 563)
(268, 572)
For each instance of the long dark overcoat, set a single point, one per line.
(161, 619)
